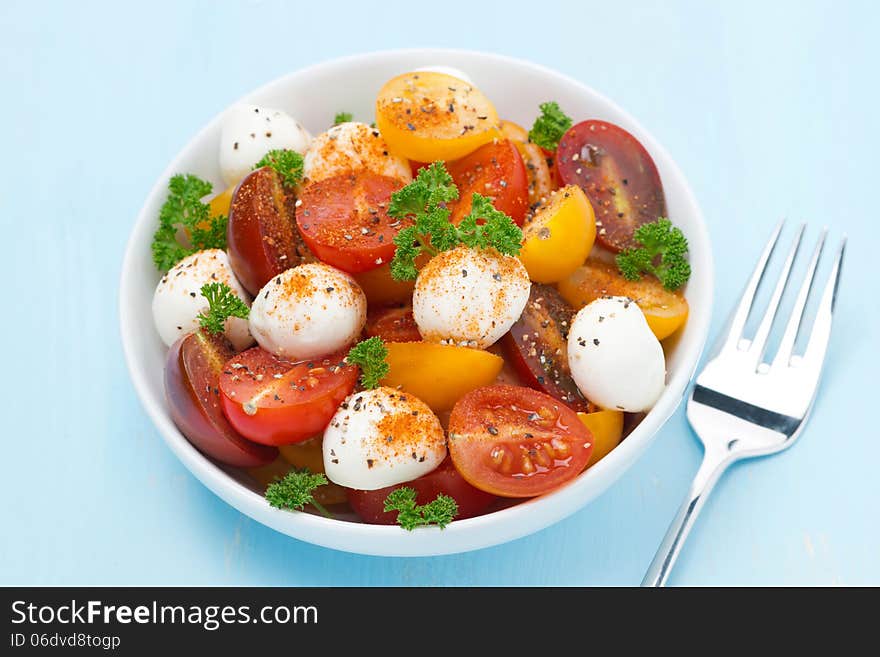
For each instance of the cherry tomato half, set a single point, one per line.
(192, 374)
(618, 176)
(393, 324)
(517, 442)
(262, 237)
(495, 170)
(277, 402)
(344, 220)
(537, 346)
(445, 480)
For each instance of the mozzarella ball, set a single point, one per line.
(615, 359)
(251, 131)
(178, 300)
(382, 437)
(448, 70)
(469, 297)
(353, 146)
(308, 311)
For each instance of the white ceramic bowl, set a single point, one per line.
(313, 96)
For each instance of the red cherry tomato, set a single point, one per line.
(262, 238)
(445, 480)
(278, 402)
(617, 174)
(517, 442)
(495, 170)
(393, 324)
(192, 374)
(344, 220)
(537, 347)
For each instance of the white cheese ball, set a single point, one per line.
(469, 297)
(615, 359)
(380, 438)
(308, 311)
(448, 70)
(353, 146)
(251, 131)
(178, 300)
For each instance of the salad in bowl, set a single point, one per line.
(420, 315)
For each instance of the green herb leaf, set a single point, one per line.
(440, 512)
(222, 304)
(184, 209)
(287, 163)
(370, 356)
(296, 489)
(498, 231)
(663, 254)
(550, 126)
(342, 117)
(424, 200)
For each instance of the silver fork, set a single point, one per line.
(742, 406)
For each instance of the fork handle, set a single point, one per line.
(715, 462)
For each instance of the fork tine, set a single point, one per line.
(759, 343)
(818, 343)
(741, 314)
(786, 345)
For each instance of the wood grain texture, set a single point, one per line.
(768, 107)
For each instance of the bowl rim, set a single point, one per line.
(490, 529)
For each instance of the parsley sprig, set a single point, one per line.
(184, 209)
(424, 200)
(550, 126)
(370, 355)
(440, 512)
(342, 117)
(296, 489)
(222, 304)
(287, 163)
(662, 254)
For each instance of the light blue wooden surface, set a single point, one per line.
(770, 108)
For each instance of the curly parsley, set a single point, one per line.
(370, 356)
(440, 512)
(222, 304)
(550, 126)
(424, 200)
(296, 489)
(342, 117)
(184, 209)
(288, 165)
(662, 254)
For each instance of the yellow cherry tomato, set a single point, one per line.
(431, 116)
(514, 132)
(665, 311)
(607, 430)
(558, 238)
(307, 454)
(219, 205)
(380, 289)
(439, 374)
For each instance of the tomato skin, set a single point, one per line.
(192, 370)
(262, 238)
(392, 324)
(537, 347)
(517, 442)
(288, 408)
(335, 212)
(445, 480)
(495, 170)
(617, 174)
